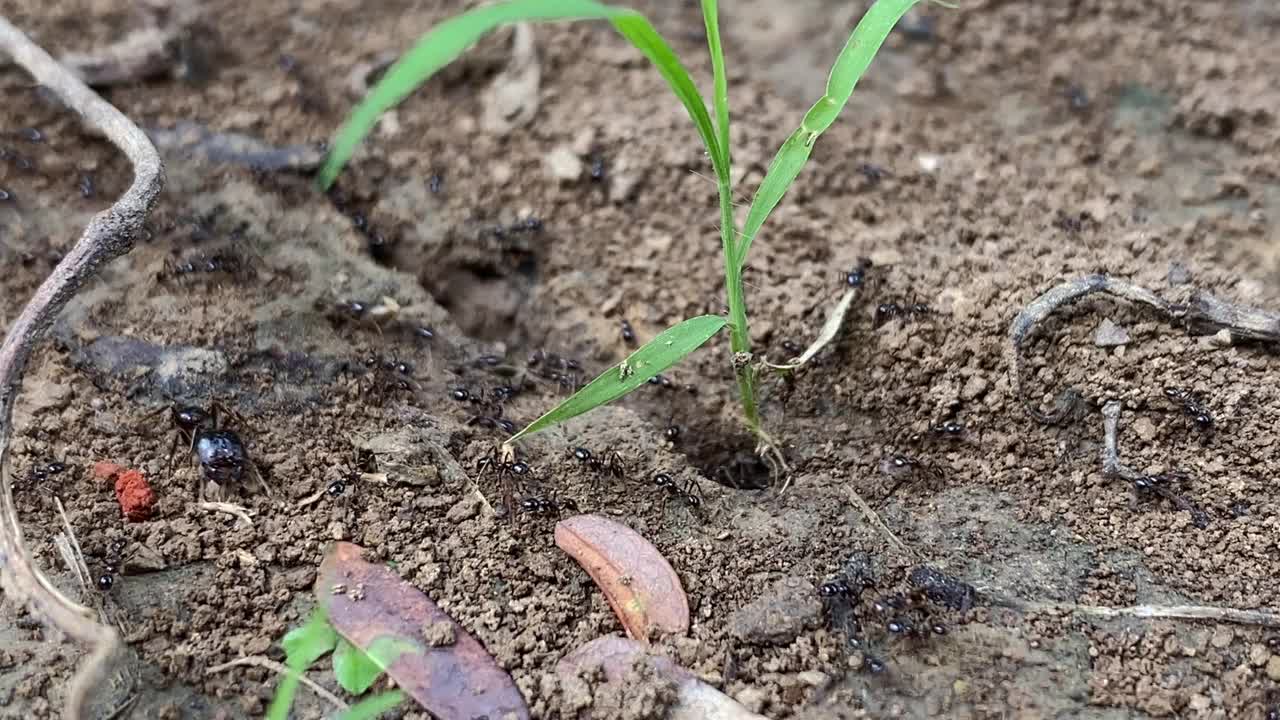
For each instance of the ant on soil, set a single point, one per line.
(1191, 406)
(509, 472)
(565, 372)
(221, 454)
(873, 173)
(628, 333)
(857, 275)
(947, 430)
(685, 495)
(1160, 485)
(388, 374)
(671, 432)
(435, 183)
(220, 262)
(85, 186)
(903, 468)
(544, 505)
(893, 310)
(40, 473)
(612, 465)
(114, 561)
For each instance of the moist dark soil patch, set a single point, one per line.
(1018, 145)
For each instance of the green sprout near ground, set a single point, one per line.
(451, 38)
(355, 669)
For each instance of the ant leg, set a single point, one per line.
(253, 468)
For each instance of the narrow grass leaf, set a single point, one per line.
(302, 646)
(373, 706)
(448, 40)
(660, 353)
(849, 67)
(720, 97)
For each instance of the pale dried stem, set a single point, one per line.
(276, 667)
(1258, 618)
(109, 235)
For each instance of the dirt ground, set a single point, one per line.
(1021, 144)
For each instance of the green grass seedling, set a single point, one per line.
(443, 44)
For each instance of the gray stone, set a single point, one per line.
(779, 615)
(1110, 334)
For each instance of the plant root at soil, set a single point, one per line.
(109, 235)
(1201, 313)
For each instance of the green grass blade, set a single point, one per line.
(849, 67)
(652, 358)
(711, 16)
(448, 40)
(373, 706)
(302, 646)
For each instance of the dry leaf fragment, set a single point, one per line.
(616, 656)
(453, 681)
(638, 582)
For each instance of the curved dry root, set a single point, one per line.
(109, 235)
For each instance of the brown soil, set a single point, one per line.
(1024, 144)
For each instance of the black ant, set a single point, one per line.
(221, 454)
(685, 494)
(873, 173)
(903, 467)
(85, 186)
(597, 167)
(1161, 485)
(893, 310)
(612, 465)
(115, 560)
(547, 505)
(909, 615)
(389, 374)
(435, 183)
(628, 333)
(1191, 406)
(42, 472)
(508, 472)
(5, 195)
(671, 432)
(947, 429)
(856, 276)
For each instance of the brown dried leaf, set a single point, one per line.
(367, 601)
(638, 582)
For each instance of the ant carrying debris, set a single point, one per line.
(685, 494)
(894, 310)
(1161, 485)
(1191, 406)
(220, 453)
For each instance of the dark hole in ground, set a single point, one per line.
(728, 458)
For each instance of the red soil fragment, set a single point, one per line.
(106, 470)
(136, 497)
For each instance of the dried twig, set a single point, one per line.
(1258, 618)
(1142, 484)
(276, 667)
(874, 518)
(228, 508)
(109, 235)
(1202, 313)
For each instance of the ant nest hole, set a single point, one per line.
(726, 462)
